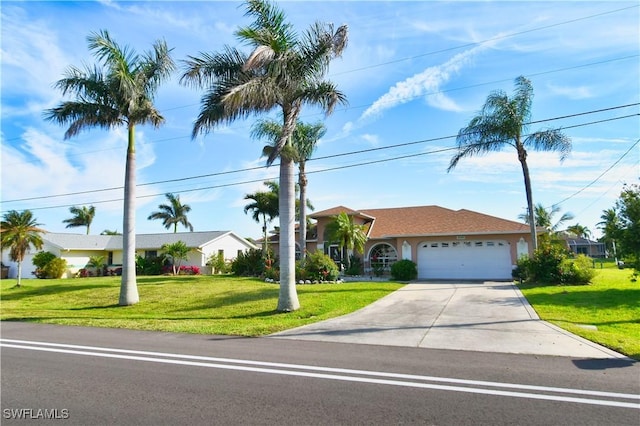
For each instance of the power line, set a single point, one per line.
(368, 150)
(408, 98)
(600, 176)
(412, 155)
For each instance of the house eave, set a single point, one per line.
(450, 234)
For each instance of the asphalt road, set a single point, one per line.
(102, 377)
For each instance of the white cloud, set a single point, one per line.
(30, 57)
(428, 83)
(374, 140)
(577, 92)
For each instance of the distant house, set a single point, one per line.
(585, 246)
(444, 243)
(76, 249)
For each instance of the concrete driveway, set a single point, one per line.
(485, 317)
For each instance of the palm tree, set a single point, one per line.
(178, 252)
(544, 218)
(82, 216)
(348, 234)
(303, 143)
(284, 71)
(264, 206)
(503, 121)
(18, 232)
(610, 224)
(117, 92)
(579, 231)
(173, 213)
(110, 232)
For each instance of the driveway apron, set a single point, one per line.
(482, 316)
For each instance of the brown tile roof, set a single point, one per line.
(435, 220)
(334, 211)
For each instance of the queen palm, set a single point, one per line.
(18, 232)
(263, 205)
(283, 71)
(503, 122)
(82, 216)
(118, 91)
(303, 143)
(173, 214)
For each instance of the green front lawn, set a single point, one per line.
(611, 304)
(246, 306)
(189, 304)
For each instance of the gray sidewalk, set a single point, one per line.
(485, 317)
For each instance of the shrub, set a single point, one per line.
(48, 265)
(41, 259)
(218, 264)
(149, 266)
(546, 265)
(355, 266)
(55, 269)
(321, 267)
(249, 263)
(404, 270)
(578, 270)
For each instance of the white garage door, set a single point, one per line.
(471, 260)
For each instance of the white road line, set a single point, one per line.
(324, 376)
(337, 370)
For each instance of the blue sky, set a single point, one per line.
(414, 74)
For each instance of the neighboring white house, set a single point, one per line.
(76, 249)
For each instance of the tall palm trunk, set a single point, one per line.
(288, 298)
(302, 182)
(19, 273)
(128, 286)
(265, 241)
(522, 156)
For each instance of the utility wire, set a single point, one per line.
(600, 176)
(368, 150)
(412, 155)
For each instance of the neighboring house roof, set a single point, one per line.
(143, 241)
(84, 242)
(430, 220)
(572, 241)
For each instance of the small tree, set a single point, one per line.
(178, 252)
(348, 234)
(96, 262)
(18, 232)
(628, 206)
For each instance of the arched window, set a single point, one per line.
(381, 257)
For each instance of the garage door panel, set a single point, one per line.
(464, 260)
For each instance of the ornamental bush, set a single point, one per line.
(404, 270)
(577, 271)
(250, 263)
(546, 266)
(55, 269)
(48, 265)
(319, 266)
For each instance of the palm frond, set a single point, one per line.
(550, 140)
